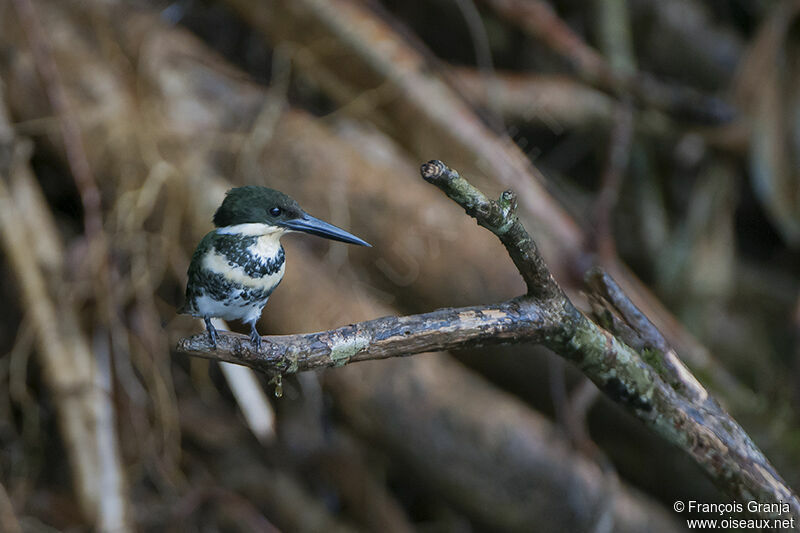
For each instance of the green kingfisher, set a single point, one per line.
(236, 266)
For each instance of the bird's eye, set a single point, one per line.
(275, 211)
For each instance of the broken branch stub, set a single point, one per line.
(499, 217)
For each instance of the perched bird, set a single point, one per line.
(236, 267)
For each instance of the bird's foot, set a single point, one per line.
(255, 338)
(212, 332)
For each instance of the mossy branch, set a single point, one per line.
(657, 389)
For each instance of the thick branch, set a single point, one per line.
(445, 329)
(617, 314)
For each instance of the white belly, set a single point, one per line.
(233, 309)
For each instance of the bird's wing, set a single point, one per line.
(194, 269)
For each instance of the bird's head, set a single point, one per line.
(260, 206)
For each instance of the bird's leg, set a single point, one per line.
(255, 338)
(212, 331)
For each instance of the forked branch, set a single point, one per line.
(657, 388)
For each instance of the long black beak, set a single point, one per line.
(308, 224)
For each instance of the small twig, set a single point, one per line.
(499, 217)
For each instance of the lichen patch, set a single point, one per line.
(344, 348)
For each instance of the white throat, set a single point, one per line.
(252, 229)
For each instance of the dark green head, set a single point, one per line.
(255, 205)
(260, 205)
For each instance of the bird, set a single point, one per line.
(236, 266)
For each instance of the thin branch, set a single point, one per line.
(444, 329)
(499, 217)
